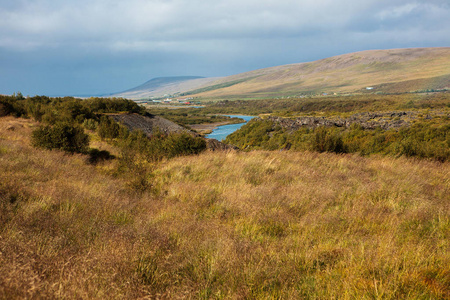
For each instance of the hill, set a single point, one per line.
(163, 86)
(396, 70)
(228, 225)
(384, 71)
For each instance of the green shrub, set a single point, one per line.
(253, 134)
(61, 136)
(161, 145)
(177, 144)
(111, 105)
(90, 124)
(5, 109)
(428, 139)
(11, 106)
(108, 128)
(410, 147)
(327, 140)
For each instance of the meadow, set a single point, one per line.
(219, 225)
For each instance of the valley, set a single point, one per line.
(317, 197)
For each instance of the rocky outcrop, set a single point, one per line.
(368, 120)
(148, 124)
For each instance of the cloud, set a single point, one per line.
(398, 11)
(139, 22)
(156, 37)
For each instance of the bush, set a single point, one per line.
(5, 109)
(108, 128)
(10, 106)
(61, 136)
(160, 145)
(90, 124)
(111, 105)
(253, 134)
(327, 140)
(177, 144)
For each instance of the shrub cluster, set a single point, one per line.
(61, 136)
(136, 145)
(160, 145)
(325, 140)
(108, 128)
(66, 117)
(66, 109)
(10, 105)
(139, 153)
(424, 139)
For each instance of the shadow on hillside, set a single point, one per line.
(96, 156)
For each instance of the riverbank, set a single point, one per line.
(221, 132)
(206, 128)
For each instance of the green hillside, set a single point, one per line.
(397, 70)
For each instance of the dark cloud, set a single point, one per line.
(96, 46)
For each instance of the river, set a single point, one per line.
(221, 132)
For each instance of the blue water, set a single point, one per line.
(221, 132)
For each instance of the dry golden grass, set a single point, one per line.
(222, 225)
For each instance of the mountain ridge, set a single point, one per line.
(392, 70)
(158, 81)
(163, 86)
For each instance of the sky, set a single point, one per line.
(94, 47)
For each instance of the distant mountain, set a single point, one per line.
(162, 81)
(395, 70)
(164, 86)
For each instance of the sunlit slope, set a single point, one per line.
(164, 86)
(230, 225)
(402, 70)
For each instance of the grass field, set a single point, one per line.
(220, 225)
